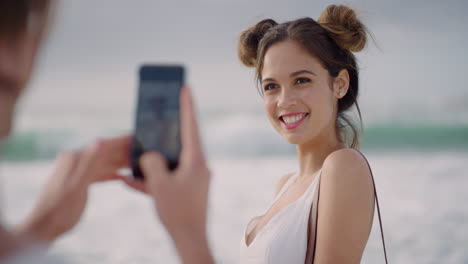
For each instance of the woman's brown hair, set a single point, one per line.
(332, 39)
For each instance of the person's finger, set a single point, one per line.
(190, 139)
(135, 184)
(117, 150)
(103, 158)
(154, 168)
(132, 183)
(89, 168)
(110, 177)
(66, 164)
(67, 161)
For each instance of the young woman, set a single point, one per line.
(309, 79)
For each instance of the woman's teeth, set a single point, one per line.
(293, 119)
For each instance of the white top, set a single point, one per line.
(284, 238)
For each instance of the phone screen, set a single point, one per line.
(157, 125)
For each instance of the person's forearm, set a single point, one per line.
(194, 251)
(33, 228)
(8, 243)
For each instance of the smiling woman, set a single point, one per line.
(309, 79)
(330, 41)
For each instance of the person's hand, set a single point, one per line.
(63, 198)
(181, 196)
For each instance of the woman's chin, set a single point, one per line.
(295, 140)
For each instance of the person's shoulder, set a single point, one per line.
(347, 169)
(346, 160)
(282, 181)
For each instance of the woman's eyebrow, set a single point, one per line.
(301, 72)
(291, 75)
(268, 80)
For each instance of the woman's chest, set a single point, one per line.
(282, 205)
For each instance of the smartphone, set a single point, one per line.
(157, 118)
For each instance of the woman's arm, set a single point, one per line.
(345, 210)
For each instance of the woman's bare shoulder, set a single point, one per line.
(346, 173)
(346, 163)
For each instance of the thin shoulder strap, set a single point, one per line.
(311, 242)
(378, 208)
(378, 212)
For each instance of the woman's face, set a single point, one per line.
(298, 97)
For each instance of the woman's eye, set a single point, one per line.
(269, 86)
(302, 80)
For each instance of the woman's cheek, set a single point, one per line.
(270, 110)
(269, 107)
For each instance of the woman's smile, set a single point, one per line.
(292, 120)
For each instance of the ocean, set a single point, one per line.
(420, 172)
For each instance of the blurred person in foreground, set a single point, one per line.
(23, 24)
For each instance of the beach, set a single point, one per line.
(421, 198)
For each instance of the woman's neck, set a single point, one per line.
(312, 154)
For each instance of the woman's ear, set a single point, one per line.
(341, 84)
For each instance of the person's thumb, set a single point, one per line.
(154, 167)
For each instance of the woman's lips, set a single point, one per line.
(293, 120)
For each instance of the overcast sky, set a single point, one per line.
(90, 58)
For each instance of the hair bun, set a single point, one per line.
(249, 39)
(344, 27)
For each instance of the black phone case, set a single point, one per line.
(157, 106)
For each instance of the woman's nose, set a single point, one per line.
(287, 99)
